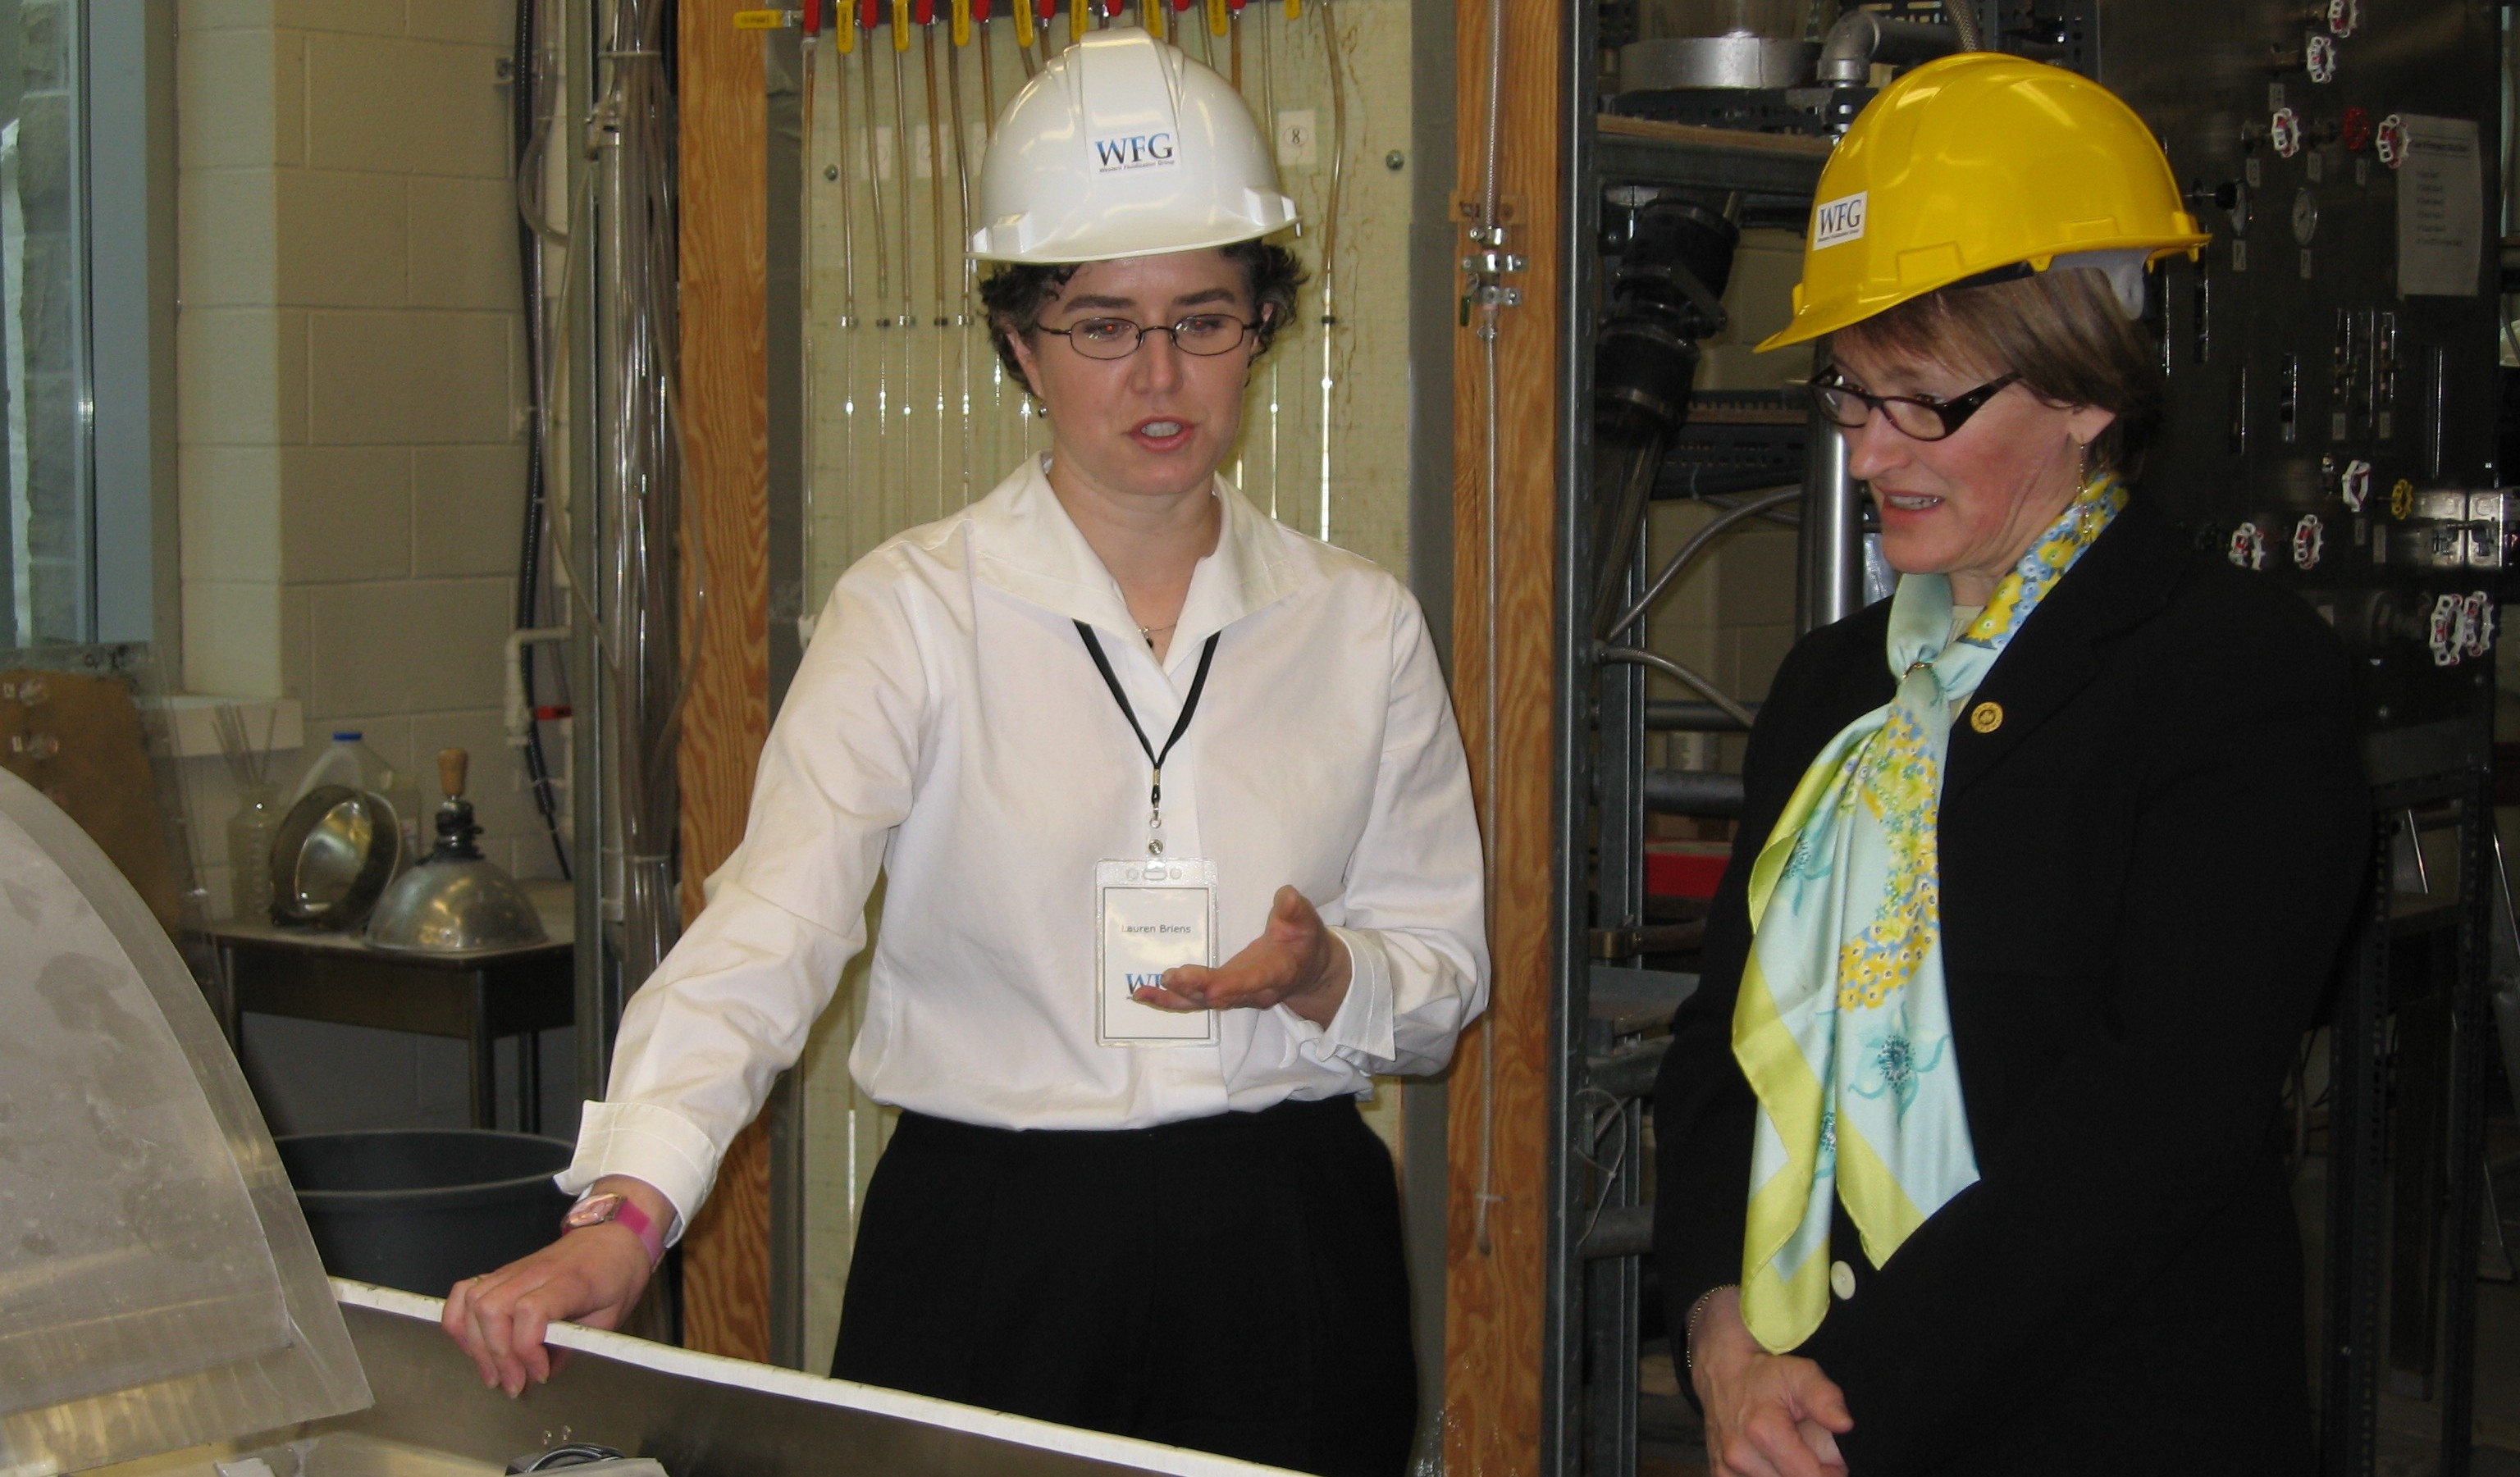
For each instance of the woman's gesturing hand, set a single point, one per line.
(592, 1276)
(1294, 962)
(1767, 1414)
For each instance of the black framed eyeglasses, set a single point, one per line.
(1206, 335)
(1919, 417)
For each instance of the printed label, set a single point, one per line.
(1134, 151)
(1838, 221)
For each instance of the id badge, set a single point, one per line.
(1152, 913)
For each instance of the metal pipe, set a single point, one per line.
(1491, 224)
(1831, 583)
(1329, 237)
(1863, 37)
(1693, 792)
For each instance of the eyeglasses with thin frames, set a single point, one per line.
(1920, 418)
(1206, 335)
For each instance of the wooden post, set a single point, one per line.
(1494, 1301)
(726, 468)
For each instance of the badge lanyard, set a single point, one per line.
(1181, 726)
(1155, 912)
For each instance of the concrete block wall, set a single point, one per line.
(351, 364)
(350, 368)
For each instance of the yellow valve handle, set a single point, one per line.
(1076, 18)
(844, 26)
(1219, 19)
(1294, 10)
(1023, 22)
(962, 22)
(761, 19)
(901, 25)
(1150, 14)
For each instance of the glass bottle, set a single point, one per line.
(249, 835)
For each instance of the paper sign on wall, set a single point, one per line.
(2441, 208)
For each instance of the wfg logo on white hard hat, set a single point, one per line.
(1135, 151)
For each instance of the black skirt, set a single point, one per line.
(1233, 1285)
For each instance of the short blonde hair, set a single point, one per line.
(2062, 332)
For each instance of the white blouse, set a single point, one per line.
(948, 728)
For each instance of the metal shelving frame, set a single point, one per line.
(1606, 1009)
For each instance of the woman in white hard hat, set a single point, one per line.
(1178, 845)
(1967, 1149)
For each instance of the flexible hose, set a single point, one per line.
(1689, 551)
(874, 181)
(1688, 674)
(1964, 19)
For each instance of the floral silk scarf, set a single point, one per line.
(1842, 1025)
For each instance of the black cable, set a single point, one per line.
(524, 91)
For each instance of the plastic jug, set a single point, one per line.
(348, 761)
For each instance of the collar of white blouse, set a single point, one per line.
(1025, 545)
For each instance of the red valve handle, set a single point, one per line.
(980, 10)
(1048, 10)
(922, 12)
(869, 15)
(812, 19)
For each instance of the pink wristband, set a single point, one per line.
(598, 1210)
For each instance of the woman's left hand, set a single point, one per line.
(1294, 962)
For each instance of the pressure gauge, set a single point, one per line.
(2305, 215)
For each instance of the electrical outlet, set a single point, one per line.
(1298, 141)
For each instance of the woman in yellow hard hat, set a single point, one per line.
(1178, 848)
(1966, 1153)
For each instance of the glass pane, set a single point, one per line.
(46, 556)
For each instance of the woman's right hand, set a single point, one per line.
(1767, 1414)
(592, 1276)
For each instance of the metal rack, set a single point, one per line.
(2283, 372)
(1612, 1008)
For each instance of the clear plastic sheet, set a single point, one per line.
(157, 1286)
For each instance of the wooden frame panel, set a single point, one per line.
(724, 411)
(1494, 1287)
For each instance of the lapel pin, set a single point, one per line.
(1987, 717)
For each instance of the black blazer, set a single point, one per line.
(2147, 869)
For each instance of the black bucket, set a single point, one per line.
(422, 1209)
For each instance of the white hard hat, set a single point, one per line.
(1124, 147)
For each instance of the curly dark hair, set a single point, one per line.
(1016, 293)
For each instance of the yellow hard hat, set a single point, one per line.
(1973, 164)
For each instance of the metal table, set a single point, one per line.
(476, 998)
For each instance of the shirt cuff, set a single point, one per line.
(1360, 1030)
(646, 1142)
